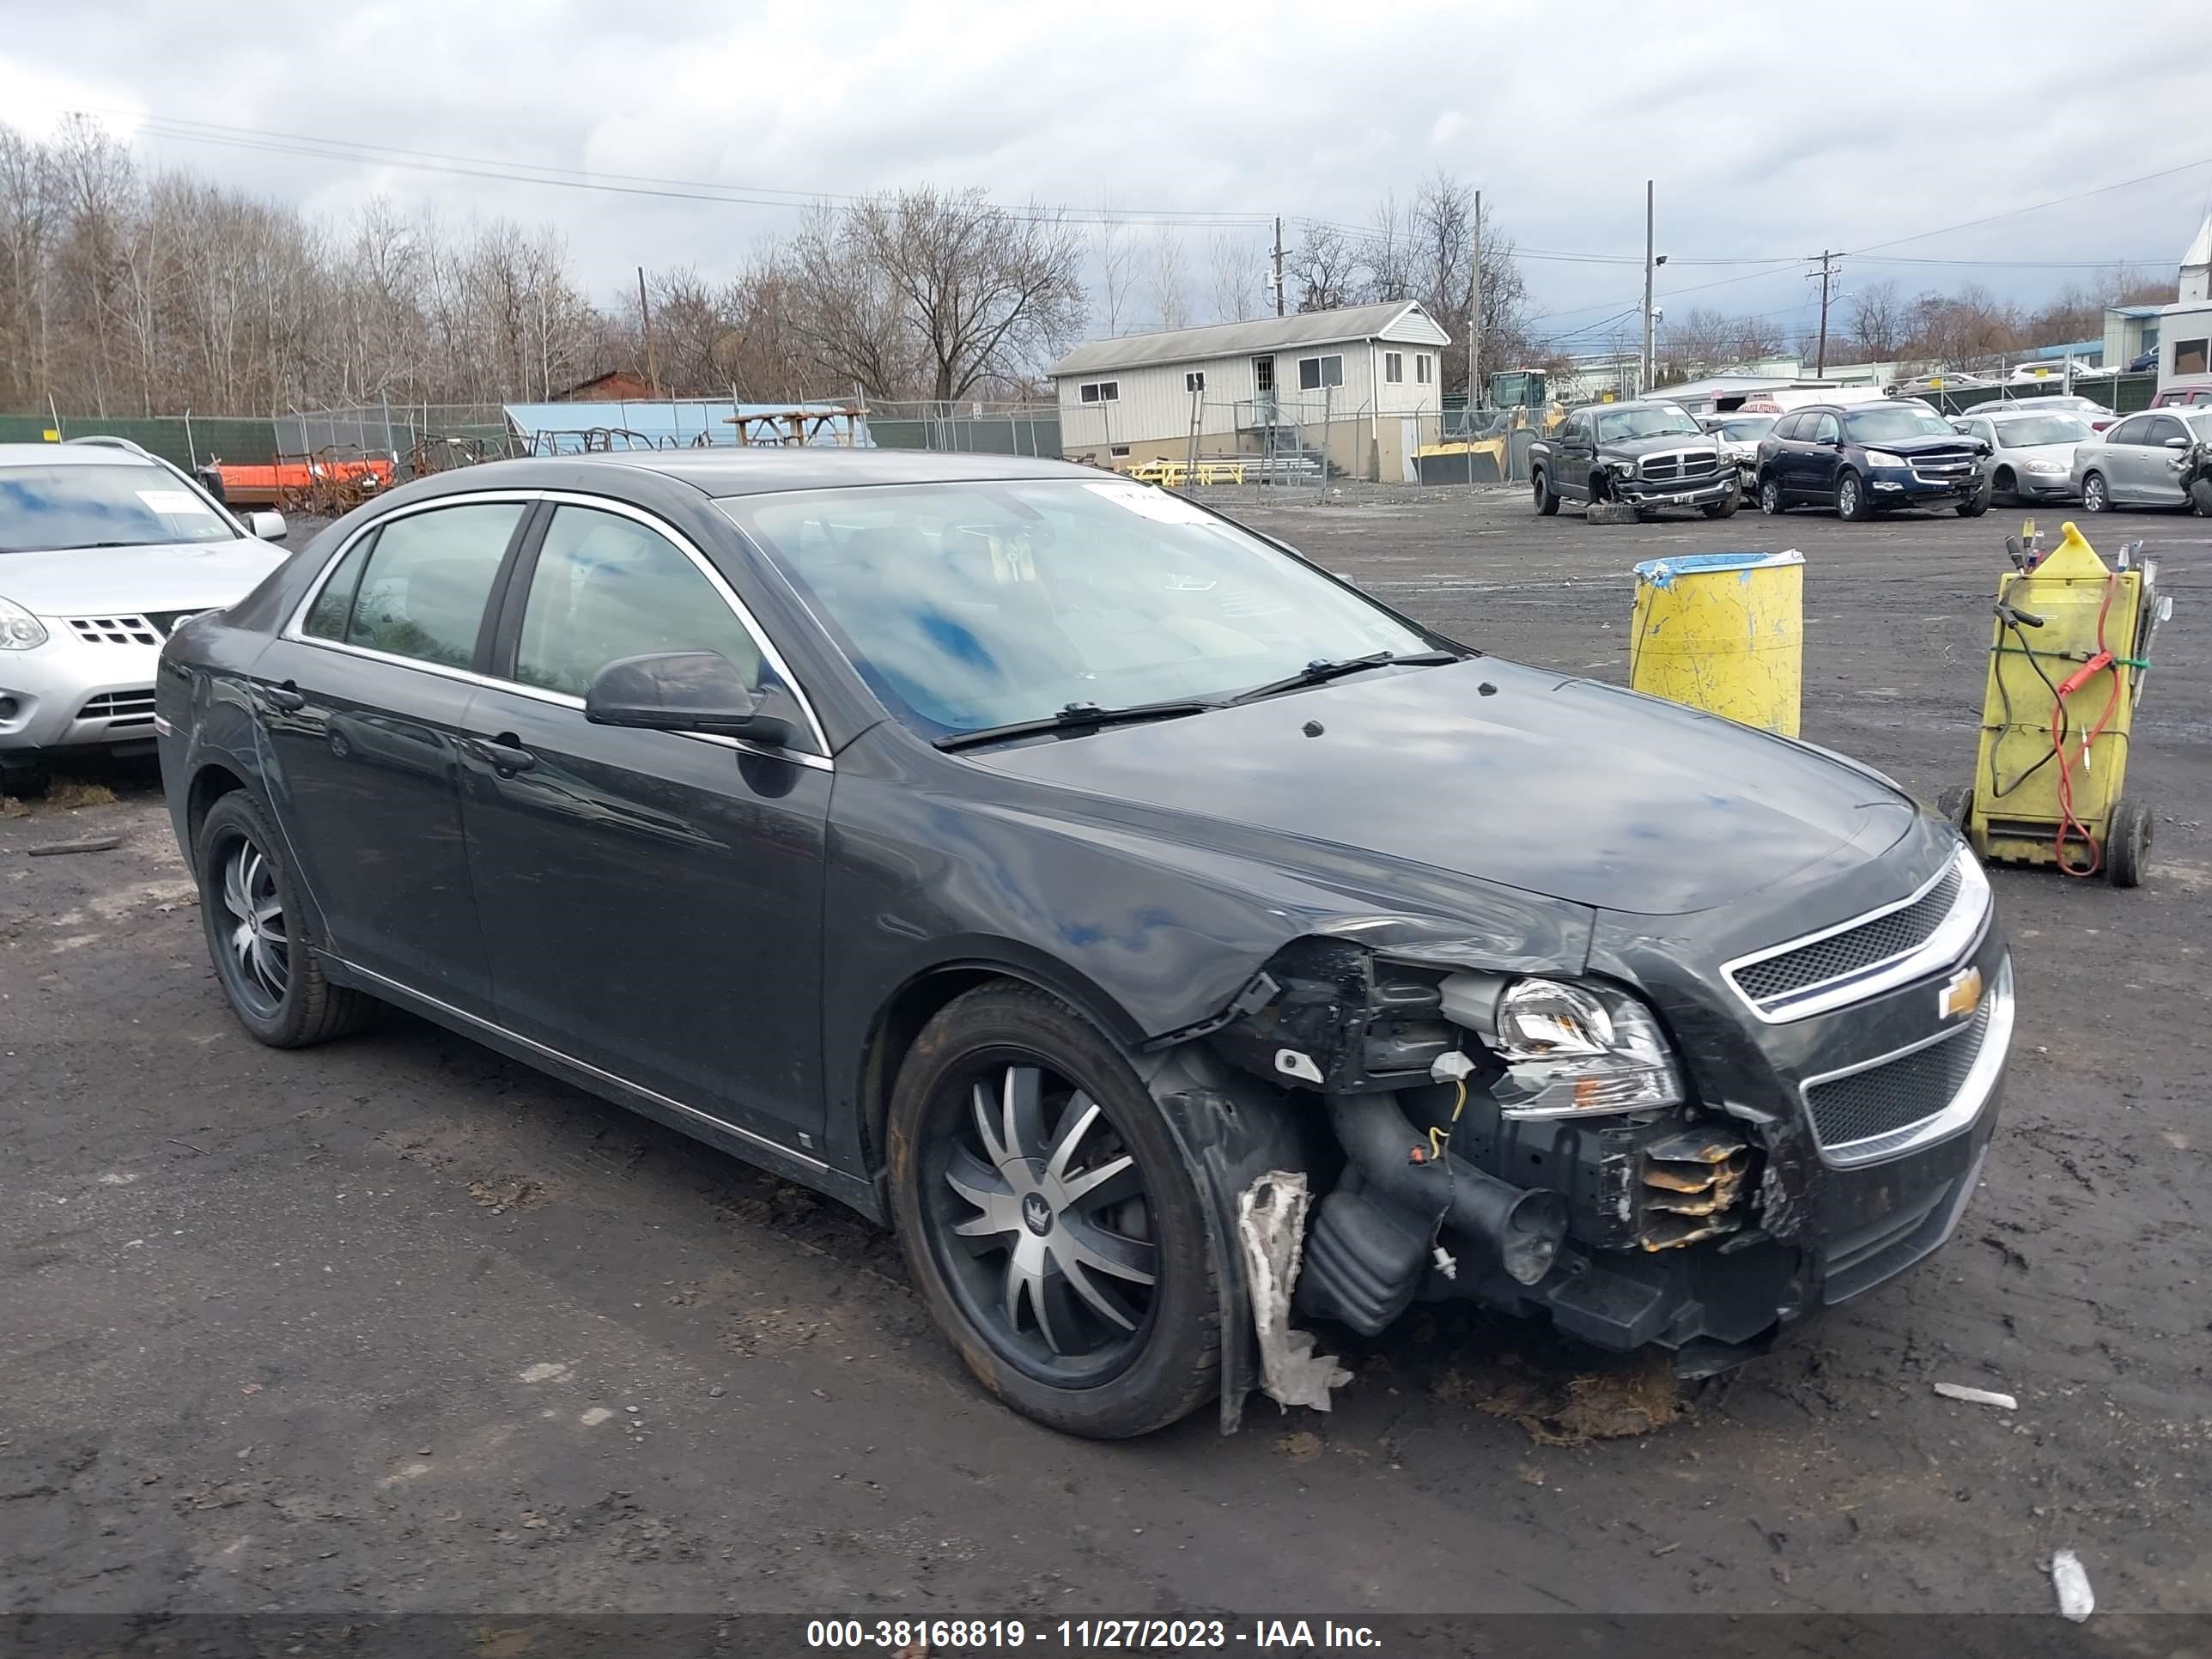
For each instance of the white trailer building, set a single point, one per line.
(1360, 384)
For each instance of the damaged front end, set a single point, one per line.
(1530, 1143)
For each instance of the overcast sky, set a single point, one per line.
(1772, 130)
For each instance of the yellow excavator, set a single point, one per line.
(1476, 444)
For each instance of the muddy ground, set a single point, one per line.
(397, 1324)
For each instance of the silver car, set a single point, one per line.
(104, 550)
(2142, 461)
(1738, 434)
(2031, 452)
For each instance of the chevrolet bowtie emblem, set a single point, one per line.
(1961, 996)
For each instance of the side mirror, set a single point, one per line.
(681, 691)
(2176, 443)
(266, 526)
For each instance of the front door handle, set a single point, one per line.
(506, 754)
(284, 698)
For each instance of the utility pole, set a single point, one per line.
(644, 327)
(1279, 265)
(1647, 288)
(1827, 273)
(1474, 321)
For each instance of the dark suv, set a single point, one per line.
(1862, 458)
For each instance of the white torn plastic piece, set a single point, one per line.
(1271, 1227)
(1450, 1066)
(2076, 1600)
(1290, 1063)
(1977, 1396)
(1447, 1263)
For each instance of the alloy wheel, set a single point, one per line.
(1041, 1218)
(258, 955)
(2093, 493)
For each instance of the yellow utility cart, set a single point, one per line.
(2067, 656)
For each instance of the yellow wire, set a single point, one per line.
(1437, 1136)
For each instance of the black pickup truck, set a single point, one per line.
(1643, 455)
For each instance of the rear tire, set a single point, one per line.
(1547, 504)
(2127, 843)
(1852, 502)
(1092, 1351)
(264, 956)
(2096, 495)
(1770, 498)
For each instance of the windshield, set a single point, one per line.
(1744, 429)
(1896, 423)
(2025, 431)
(965, 607)
(47, 506)
(1614, 425)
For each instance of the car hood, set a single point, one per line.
(1930, 445)
(170, 576)
(1556, 786)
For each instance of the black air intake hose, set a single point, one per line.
(1520, 1228)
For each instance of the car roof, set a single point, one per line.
(74, 455)
(759, 470)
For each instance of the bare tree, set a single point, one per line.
(1112, 250)
(1877, 322)
(1328, 269)
(1390, 252)
(1170, 280)
(1236, 263)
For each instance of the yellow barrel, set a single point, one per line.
(1724, 632)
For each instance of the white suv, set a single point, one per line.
(103, 549)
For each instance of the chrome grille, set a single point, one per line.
(120, 708)
(1896, 1094)
(1852, 951)
(1680, 466)
(115, 630)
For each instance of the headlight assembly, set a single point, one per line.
(1568, 1049)
(19, 629)
(1883, 457)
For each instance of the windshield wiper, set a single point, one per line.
(1076, 717)
(1322, 670)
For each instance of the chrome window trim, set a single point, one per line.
(1964, 1107)
(482, 1023)
(1956, 935)
(294, 628)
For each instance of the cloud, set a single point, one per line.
(1164, 110)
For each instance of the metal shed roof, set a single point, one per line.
(1399, 319)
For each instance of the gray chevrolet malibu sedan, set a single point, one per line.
(1105, 897)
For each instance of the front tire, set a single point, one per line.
(1049, 1221)
(1720, 509)
(1770, 498)
(1852, 502)
(264, 956)
(2096, 495)
(1547, 503)
(1975, 505)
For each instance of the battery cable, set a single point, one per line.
(2070, 827)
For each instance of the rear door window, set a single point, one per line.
(418, 588)
(1825, 429)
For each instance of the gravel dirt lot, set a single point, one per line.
(396, 1324)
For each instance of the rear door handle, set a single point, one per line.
(506, 754)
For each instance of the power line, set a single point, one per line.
(269, 142)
